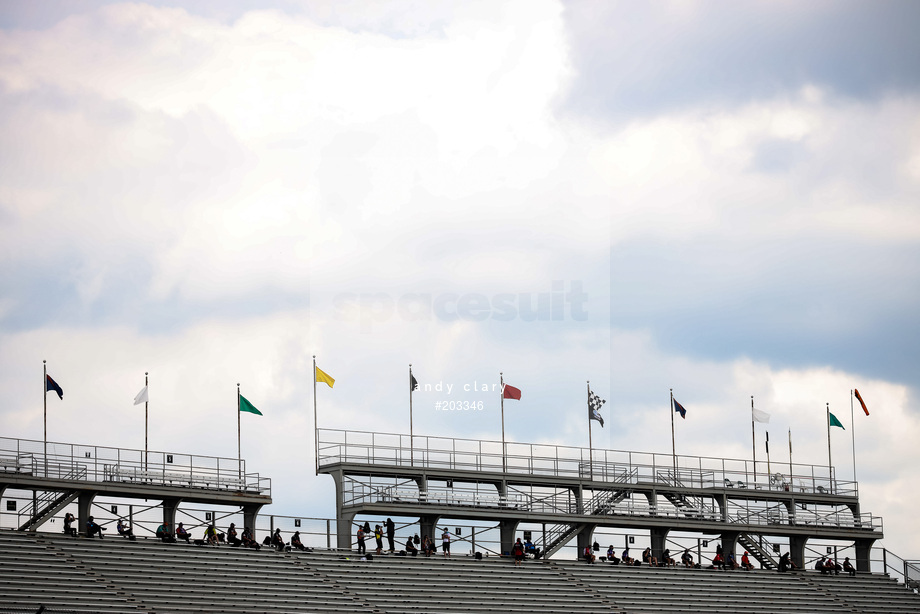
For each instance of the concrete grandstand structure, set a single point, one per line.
(573, 492)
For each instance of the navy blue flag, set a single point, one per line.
(50, 384)
(680, 409)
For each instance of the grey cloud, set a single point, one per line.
(647, 58)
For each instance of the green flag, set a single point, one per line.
(245, 405)
(835, 421)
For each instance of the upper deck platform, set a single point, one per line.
(129, 473)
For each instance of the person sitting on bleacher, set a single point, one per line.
(687, 558)
(296, 543)
(411, 550)
(123, 529)
(232, 538)
(612, 556)
(820, 566)
(832, 567)
(427, 546)
(717, 562)
(247, 539)
(746, 562)
(648, 559)
(92, 528)
(785, 563)
(68, 524)
(529, 548)
(588, 555)
(666, 559)
(164, 534)
(848, 567)
(278, 541)
(210, 535)
(626, 558)
(181, 533)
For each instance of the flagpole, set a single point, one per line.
(829, 464)
(501, 379)
(239, 449)
(411, 435)
(753, 440)
(45, 399)
(590, 444)
(853, 436)
(790, 459)
(146, 402)
(673, 447)
(315, 429)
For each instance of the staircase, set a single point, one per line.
(48, 504)
(750, 543)
(559, 535)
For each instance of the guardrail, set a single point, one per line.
(339, 446)
(76, 462)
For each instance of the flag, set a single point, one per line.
(50, 384)
(323, 377)
(680, 409)
(413, 383)
(141, 396)
(861, 402)
(594, 406)
(834, 421)
(510, 392)
(760, 416)
(245, 405)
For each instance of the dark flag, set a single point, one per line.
(680, 409)
(413, 383)
(594, 406)
(50, 384)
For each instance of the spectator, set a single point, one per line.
(848, 567)
(248, 540)
(410, 548)
(718, 562)
(378, 537)
(746, 562)
(588, 555)
(427, 546)
(181, 533)
(730, 562)
(820, 566)
(529, 548)
(612, 556)
(69, 519)
(666, 559)
(92, 528)
(210, 535)
(164, 533)
(278, 541)
(648, 559)
(296, 543)
(391, 534)
(362, 548)
(445, 542)
(786, 564)
(626, 558)
(686, 558)
(232, 537)
(123, 529)
(518, 551)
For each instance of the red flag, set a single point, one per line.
(861, 402)
(510, 392)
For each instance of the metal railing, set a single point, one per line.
(339, 446)
(76, 462)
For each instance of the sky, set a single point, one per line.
(718, 198)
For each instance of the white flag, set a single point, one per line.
(760, 416)
(141, 396)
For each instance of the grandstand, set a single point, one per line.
(41, 568)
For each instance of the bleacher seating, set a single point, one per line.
(114, 575)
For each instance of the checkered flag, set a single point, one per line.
(594, 406)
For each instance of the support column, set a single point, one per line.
(797, 550)
(722, 502)
(863, 550)
(729, 541)
(428, 525)
(585, 537)
(507, 529)
(169, 514)
(250, 515)
(84, 507)
(343, 530)
(659, 539)
(579, 499)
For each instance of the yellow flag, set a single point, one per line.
(322, 377)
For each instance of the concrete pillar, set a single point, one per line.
(729, 541)
(507, 529)
(343, 530)
(84, 510)
(863, 549)
(428, 525)
(722, 502)
(579, 499)
(585, 537)
(659, 539)
(797, 550)
(652, 498)
(250, 515)
(169, 514)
